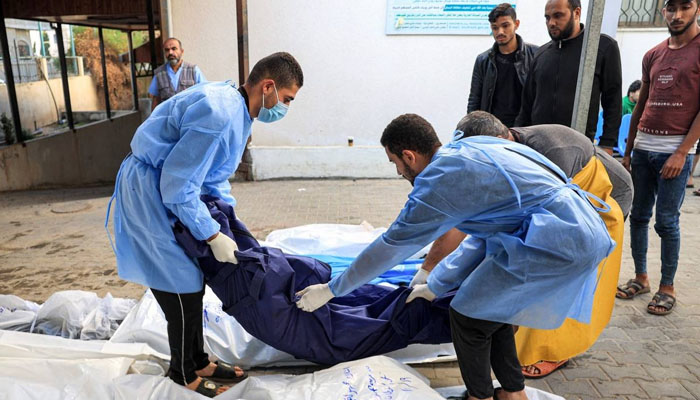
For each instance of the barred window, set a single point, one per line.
(641, 14)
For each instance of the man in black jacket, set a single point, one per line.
(548, 95)
(500, 72)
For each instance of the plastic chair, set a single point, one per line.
(599, 128)
(623, 133)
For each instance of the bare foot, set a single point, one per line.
(209, 370)
(193, 386)
(532, 369)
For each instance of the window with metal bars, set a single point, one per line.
(641, 14)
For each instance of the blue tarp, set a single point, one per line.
(260, 293)
(399, 275)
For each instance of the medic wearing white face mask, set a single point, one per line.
(190, 146)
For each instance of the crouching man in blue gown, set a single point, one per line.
(190, 146)
(530, 232)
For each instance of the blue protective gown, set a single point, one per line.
(190, 145)
(530, 233)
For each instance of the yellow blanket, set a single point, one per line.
(573, 337)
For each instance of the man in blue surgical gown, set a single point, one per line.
(529, 232)
(190, 145)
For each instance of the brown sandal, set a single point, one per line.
(663, 300)
(631, 289)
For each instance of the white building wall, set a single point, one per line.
(634, 43)
(207, 30)
(357, 79)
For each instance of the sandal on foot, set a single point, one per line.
(696, 192)
(544, 367)
(663, 300)
(226, 372)
(208, 388)
(631, 289)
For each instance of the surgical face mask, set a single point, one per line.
(275, 113)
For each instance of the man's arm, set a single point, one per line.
(674, 164)
(474, 102)
(611, 96)
(634, 122)
(155, 100)
(198, 75)
(528, 97)
(153, 91)
(443, 246)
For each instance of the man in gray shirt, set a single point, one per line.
(571, 151)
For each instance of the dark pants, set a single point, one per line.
(184, 315)
(481, 345)
(668, 194)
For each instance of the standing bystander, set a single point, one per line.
(665, 128)
(174, 76)
(501, 71)
(550, 91)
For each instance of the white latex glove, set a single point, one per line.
(223, 247)
(419, 278)
(421, 291)
(314, 296)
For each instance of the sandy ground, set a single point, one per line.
(54, 240)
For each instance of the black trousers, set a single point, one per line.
(185, 335)
(480, 346)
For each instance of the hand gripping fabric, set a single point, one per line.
(260, 293)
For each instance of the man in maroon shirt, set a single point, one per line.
(665, 128)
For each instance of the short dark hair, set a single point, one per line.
(410, 132)
(281, 67)
(175, 39)
(481, 123)
(574, 4)
(502, 10)
(636, 85)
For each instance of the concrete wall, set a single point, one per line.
(207, 30)
(357, 79)
(36, 104)
(90, 155)
(272, 162)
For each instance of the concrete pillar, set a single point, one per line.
(81, 67)
(43, 67)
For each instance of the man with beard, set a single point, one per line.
(664, 129)
(549, 93)
(529, 231)
(501, 71)
(174, 76)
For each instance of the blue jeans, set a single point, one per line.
(650, 187)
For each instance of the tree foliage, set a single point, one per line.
(87, 45)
